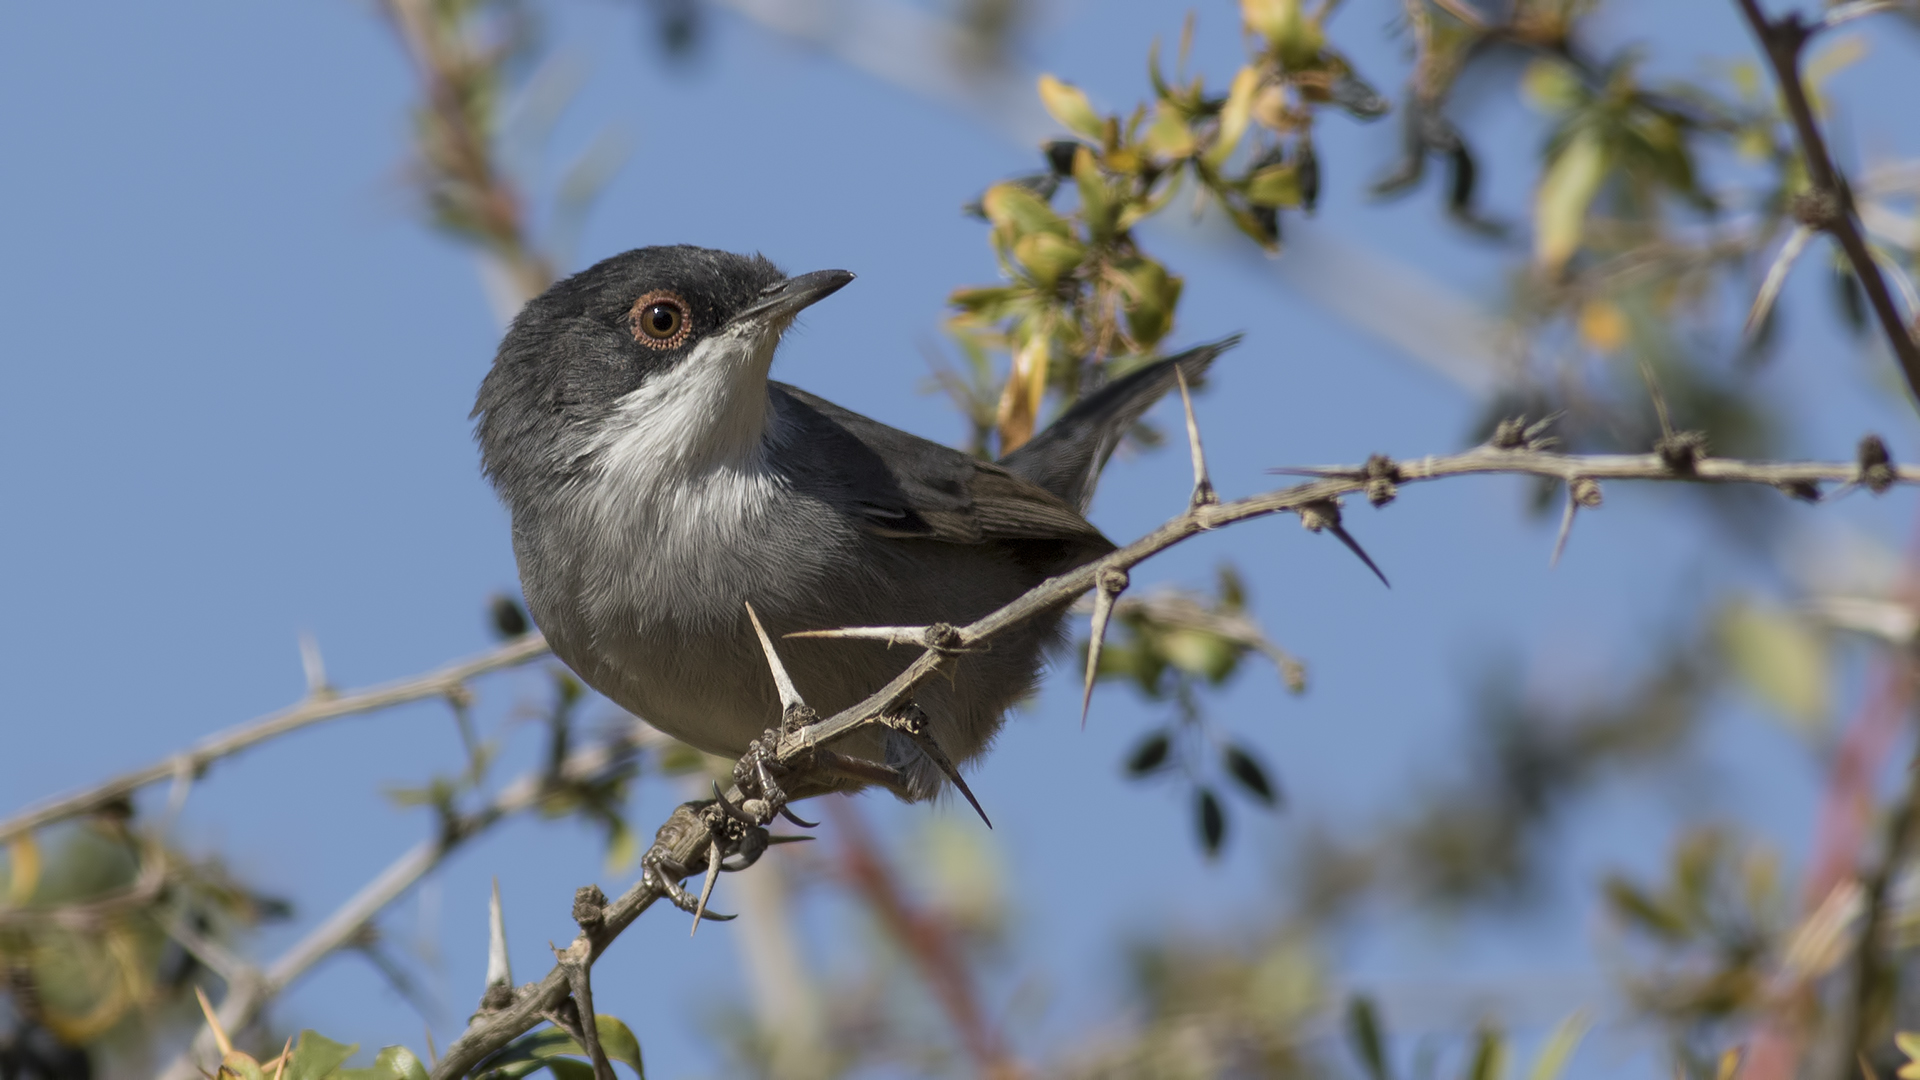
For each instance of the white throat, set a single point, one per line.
(706, 413)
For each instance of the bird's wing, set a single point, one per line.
(900, 485)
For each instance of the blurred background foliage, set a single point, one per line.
(1644, 263)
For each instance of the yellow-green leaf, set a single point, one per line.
(1233, 117)
(1296, 38)
(1096, 199)
(1560, 1046)
(1275, 185)
(23, 869)
(315, 1056)
(1552, 87)
(1068, 104)
(1566, 191)
(1020, 211)
(1152, 295)
(1781, 660)
(1048, 257)
(1168, 137)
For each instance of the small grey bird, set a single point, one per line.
(658, 482)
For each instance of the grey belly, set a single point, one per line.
(669, 640)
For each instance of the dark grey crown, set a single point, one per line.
(572, 353)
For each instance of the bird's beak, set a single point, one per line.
(781, 302)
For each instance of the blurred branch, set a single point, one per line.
(250, 988)
(1828, 206)
(467, 190)
(446, 682)
(925, 938)
(687, 840)
(1869, 996)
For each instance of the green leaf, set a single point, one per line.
(1566, 191)
(1363, 1027)
(393, 1063)
(989, 304)
(1635, 906)
(240, 1065)
(1233, 117)
(1489, 1057)
(619, 1042)
(1275, 185)
(551, 1049)
(1150, 755)
(1069, 105)
(1198, 652)
(1211, 818)
(315, 1056)
(1248, 774)
(1560, 1046)
(1152, 296)
(1781, 661)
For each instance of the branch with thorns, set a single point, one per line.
(1827, 205)
(785, 761)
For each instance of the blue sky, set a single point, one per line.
(233, 409)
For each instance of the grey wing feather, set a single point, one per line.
(900, 485)
(1067, 457)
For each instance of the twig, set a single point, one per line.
(441, 683)
(684, 842)
(250, 990)
(1828, 206)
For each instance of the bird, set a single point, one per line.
(659, 482)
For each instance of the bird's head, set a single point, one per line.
(672, 343)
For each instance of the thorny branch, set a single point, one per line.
(687, 839)
(1828, 205)
(250, 988)
(447, 682)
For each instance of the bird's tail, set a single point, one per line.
(1067, 457)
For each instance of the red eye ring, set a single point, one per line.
(660, 320)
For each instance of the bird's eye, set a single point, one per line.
(659, 320)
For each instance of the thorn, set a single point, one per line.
(789, 697)
(1566, 530)
(727, 807)
(1325, 516)
(1203, 493)
(314, 666)
(797, 819)
(1340, 533)
(213, 1023)
(713, 860)
(925, 741)
(280, 1071)
(1111, 582)
(892, 635)
(499, 970)
(1776, 277)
